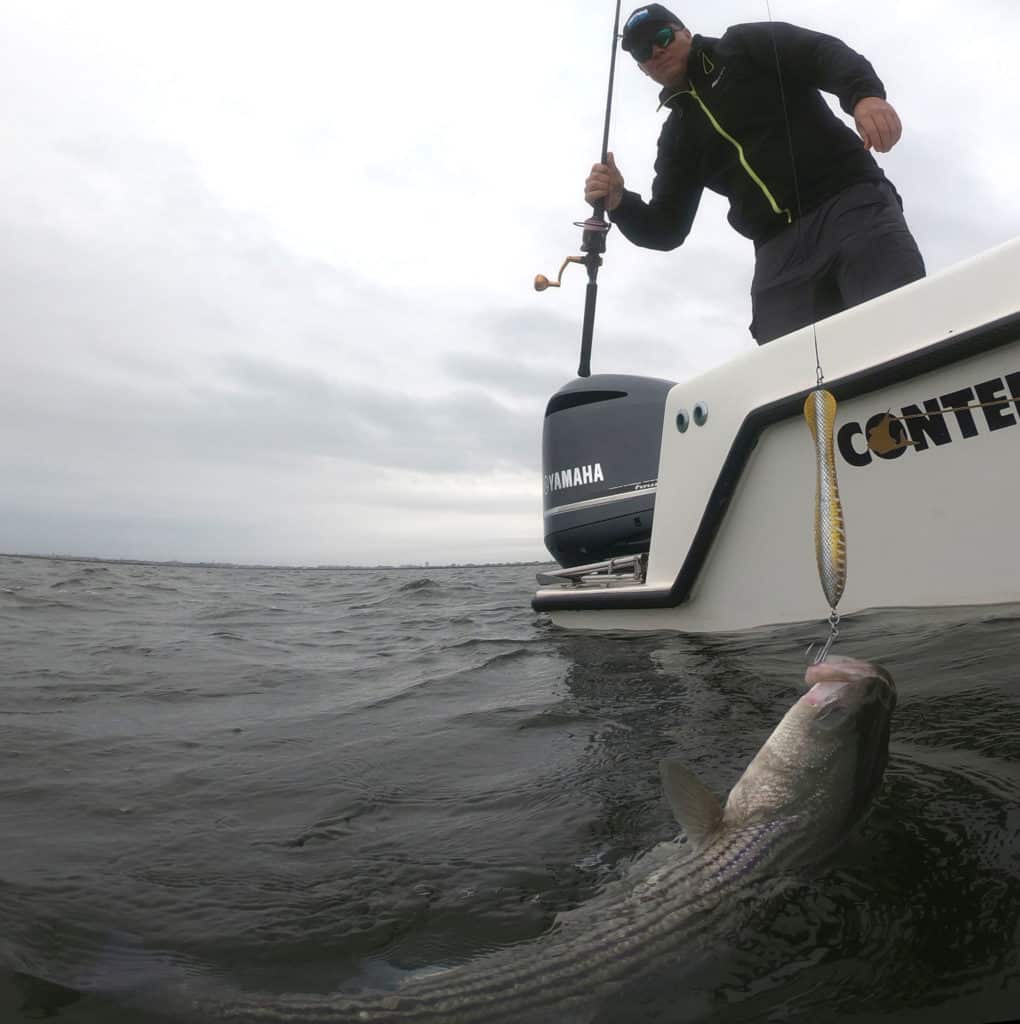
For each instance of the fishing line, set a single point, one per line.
(819, 375)
(820, 414)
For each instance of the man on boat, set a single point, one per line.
(747, 120)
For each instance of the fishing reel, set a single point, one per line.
(593, 244)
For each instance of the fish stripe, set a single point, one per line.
(622, 934)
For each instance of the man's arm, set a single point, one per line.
(665, 221)
(826, 63)
(659, 224)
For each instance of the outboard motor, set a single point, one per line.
(600, 466)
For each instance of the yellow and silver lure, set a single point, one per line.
(830, 534)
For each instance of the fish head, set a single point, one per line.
(825, 759)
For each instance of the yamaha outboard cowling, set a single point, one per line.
(600, 466)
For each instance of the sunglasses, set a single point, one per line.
(643, 51)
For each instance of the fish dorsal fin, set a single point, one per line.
(695, 806)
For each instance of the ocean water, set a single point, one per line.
(297, 780)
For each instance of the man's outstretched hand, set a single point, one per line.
(878, 124)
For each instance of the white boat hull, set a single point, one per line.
(930, 524)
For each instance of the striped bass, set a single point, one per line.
(808, 785)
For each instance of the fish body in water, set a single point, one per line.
(808, 785)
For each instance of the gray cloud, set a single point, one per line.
(163, 345)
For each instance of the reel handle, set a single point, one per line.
(542, 282)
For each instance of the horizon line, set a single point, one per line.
(265, 565)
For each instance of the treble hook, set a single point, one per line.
(833, 636)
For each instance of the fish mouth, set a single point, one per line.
(840, 679)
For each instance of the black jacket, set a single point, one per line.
(727, 132)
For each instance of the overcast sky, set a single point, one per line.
(266, 268)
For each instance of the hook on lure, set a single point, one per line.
(823, 651)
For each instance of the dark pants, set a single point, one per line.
(846, 251)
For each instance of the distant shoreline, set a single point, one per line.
(257, 565)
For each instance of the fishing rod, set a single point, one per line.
(594, 231)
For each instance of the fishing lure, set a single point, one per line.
(830, 534)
